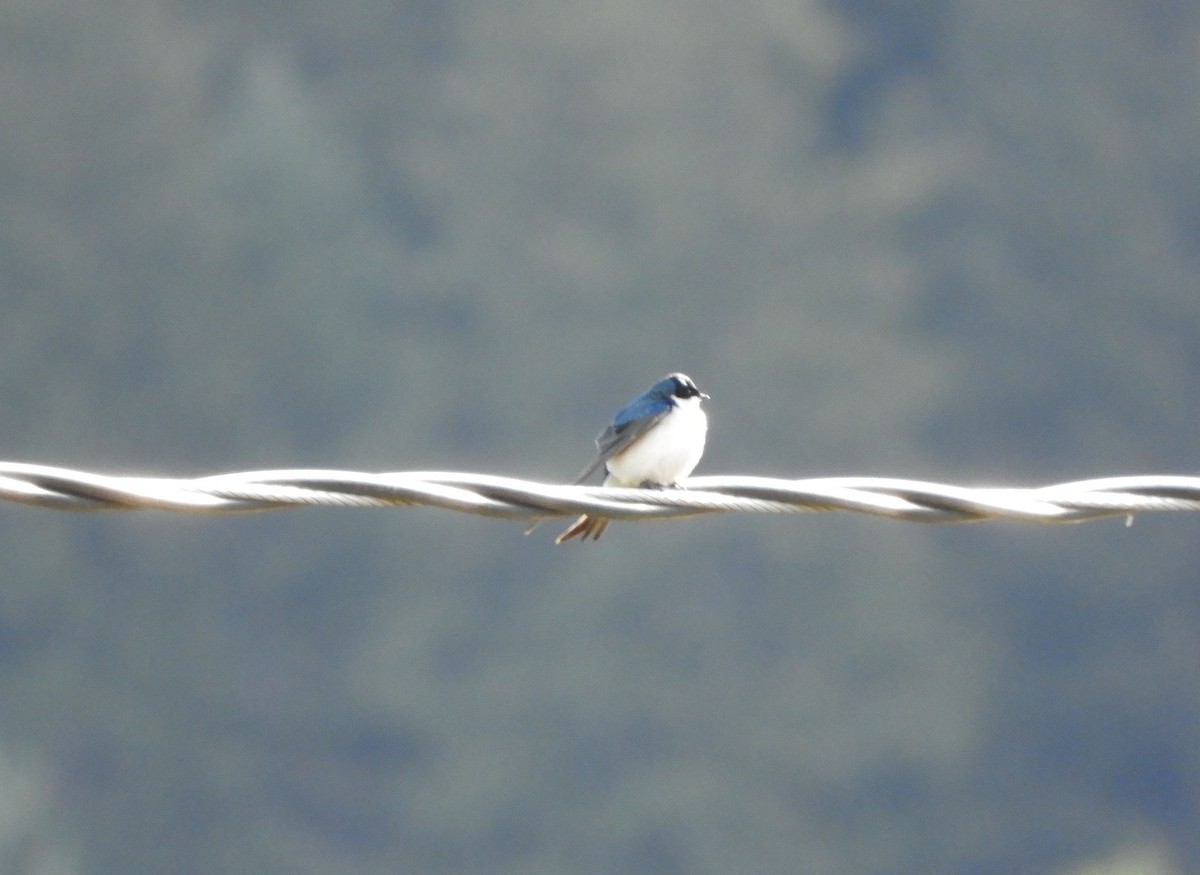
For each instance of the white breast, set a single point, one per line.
(668, 452)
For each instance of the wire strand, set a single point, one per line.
(512, 498)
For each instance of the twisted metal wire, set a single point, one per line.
(508, 497)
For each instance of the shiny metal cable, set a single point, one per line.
(912, 500)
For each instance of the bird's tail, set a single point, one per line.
(585, 527)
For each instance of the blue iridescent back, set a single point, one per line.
(652, 402)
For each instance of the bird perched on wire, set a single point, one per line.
(654, 441)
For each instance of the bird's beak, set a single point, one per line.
(705, 397)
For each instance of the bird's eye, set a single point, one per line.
(680, 386)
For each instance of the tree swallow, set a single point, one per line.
(655, 441)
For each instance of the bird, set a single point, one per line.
(654, 441)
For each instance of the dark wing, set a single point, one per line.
(623, 432)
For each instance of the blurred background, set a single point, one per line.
(957, 240)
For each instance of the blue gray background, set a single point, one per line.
(957, 240)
